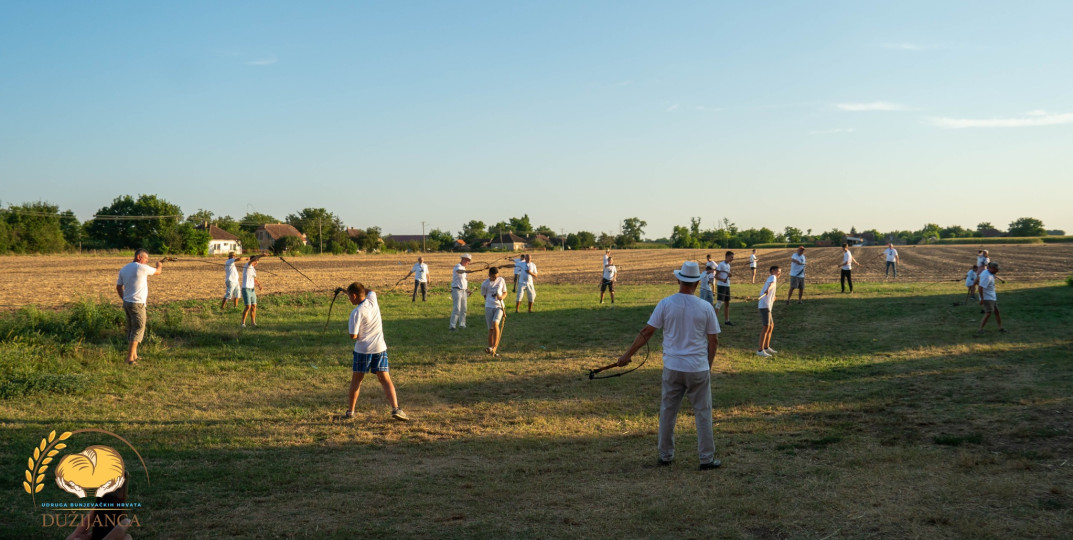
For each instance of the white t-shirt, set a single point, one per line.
(528, 270)
(891, 254)
(519, 266)
(797, 265)
(610, 272)
(366, 324)
(459, 281)
(847, 263)
(492, 290)
(606, 256)
(987, 286)
(249, 277)
(686, 322)
(752, 261)
(230, 272)
(970, 277)
(767, 294)
(722, 267)
(706, 280)
(420, 271)
(982, 260)
(133, 278)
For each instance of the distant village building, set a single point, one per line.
(509, 242)
(221, 241)
(268, 233)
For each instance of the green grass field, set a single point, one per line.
(882, 416)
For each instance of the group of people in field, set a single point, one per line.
(690, 323)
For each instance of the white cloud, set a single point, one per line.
(873, 106)
(1031, 119)
(832, 131)
(1036, 112)
(262, 61)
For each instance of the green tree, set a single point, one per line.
(983, 227)
(681, 237)
(752, 237)
(71, 229)
(199, 217)
(323, 228)
(146, 222)
(546, 231)
(473, 233)
(792, 235)
(521, 226)
(438, 240)
(632, 230)
(1027, 226)
(581, 240)
(34, 228)
(254, 220)
(955, 231)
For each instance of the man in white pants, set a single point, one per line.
(525, 284)
(690, 340)
(459, 292)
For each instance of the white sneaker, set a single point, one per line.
(771, 351)
(763, 354)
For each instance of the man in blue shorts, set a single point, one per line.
(370, 350)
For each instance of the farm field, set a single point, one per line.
(882, 416)
(51, 281)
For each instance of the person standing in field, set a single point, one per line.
(526, 284)
(706, 282)
(519, 268)
(133, 288)
(767, 300)
(494, 290)
(988, 298)
(892, 260)
(752, 264)
(970, 282)
(250, 286)
(722, 287)
(690, 341)
(607, 256)
(232, 291)
(982, 258)
(847, 268)
(460, 293)
(608, 281)
(370, 349)
(420, 273)
(797, 274)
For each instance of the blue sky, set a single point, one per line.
(811, 114)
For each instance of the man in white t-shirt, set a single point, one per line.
(797, 274)
(970, 283)
(525, 284)
(133, 287)
(846, 266)
(460, 292)
(982, 258)
(370, 350)
(232, 291)
(420, 273)
(767, 300)
(722, 287)
(752, 264)
(988, 299)
(494, 290)
(610, 275)
(519, 268)
(690, 341)
(892, 260)
(707, 281)
(250, 286)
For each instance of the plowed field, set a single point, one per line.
(52, 281)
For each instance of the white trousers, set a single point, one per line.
(458, 307)
(698, 387)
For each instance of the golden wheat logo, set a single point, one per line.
(98, 468)
(39, 461)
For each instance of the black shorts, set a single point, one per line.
(722, 293)
(607, 284)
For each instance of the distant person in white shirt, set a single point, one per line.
(970, 283)
(982, 258)
(707, 281)
(847, 268)
(752, 264)
(250, 286)
(525, 284)
(133, 287)
(494, 290)
(690, 341)
(460, 293)
(607, 256)
(892, 260)
(722, 287)
(232, 291)
(988, 298)
(797, 274)
(519, 268)
(767, 300)
(370, 349)
(420, 272)
(608, 281)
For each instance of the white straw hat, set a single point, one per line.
(689, 273)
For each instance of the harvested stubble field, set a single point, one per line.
(53, 281)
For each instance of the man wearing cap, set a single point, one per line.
(690, 340)
(797, 274)
(133, 287)
(459, 292)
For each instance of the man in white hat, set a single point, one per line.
(690, 340)
(459, 292)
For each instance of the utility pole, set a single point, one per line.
(423, 237)
(320, 234)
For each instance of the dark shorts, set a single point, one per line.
(607, 284)
(797, 282)
(722, 293)
(765, 317)
(990, 306)
(375, 363)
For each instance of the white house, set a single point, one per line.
(221, 241)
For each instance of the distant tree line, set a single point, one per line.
(157, 225)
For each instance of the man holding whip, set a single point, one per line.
(690, 340)
(494, 290)
(133, 287)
